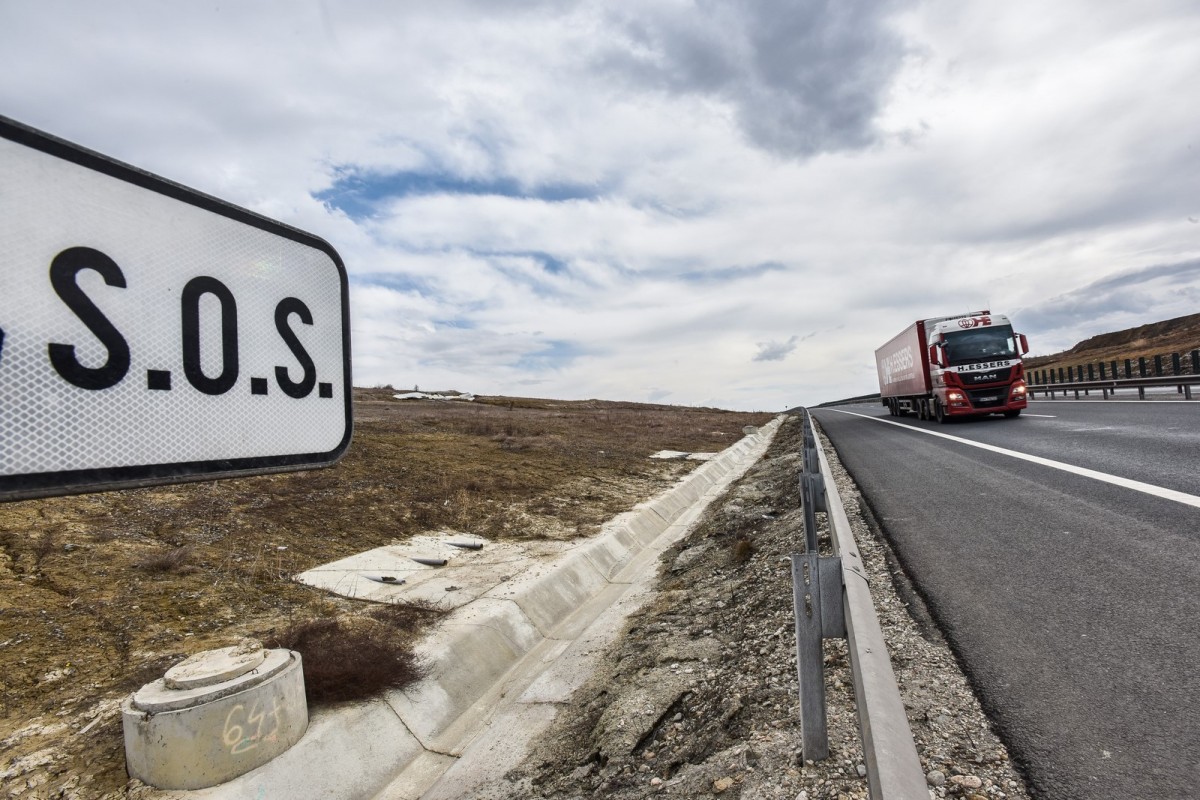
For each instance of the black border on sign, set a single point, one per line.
(46, 484)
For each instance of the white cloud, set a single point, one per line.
(586, 199)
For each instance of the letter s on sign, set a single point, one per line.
(64, 270)
(303, 387)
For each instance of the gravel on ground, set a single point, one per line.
(699, 697)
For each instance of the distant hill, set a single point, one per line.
(1179, 335)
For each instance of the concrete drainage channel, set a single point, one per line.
(528, 619)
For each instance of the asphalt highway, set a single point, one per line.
(1069, 590)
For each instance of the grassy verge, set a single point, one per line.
(99, 594)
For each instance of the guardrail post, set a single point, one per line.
(1115, 374)
(1128, 368)
(817, 598)
(1175, 363)
(1141, 366)
(1101, 370)
(1091, 374)
(806, 588)
(1141, 393)
(1060, 375)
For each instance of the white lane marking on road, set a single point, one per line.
(1137, 486)
(1047, 416)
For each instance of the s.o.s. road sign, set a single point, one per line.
(153, 334)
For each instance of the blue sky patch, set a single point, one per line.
(548, 262)
(396, 281)
(730, 274)
(458, 323)
(358, 193)
(555, 354)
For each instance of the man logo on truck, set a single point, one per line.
(974, 322)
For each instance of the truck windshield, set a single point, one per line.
(980, 344)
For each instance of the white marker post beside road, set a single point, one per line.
(152, 334)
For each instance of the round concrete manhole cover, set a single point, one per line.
(215, 666)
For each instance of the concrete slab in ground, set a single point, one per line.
(389, 574)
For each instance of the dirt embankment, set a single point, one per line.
(1179, 335)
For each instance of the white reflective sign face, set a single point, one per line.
(150, 334)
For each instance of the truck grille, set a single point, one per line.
(988, 376)
(985, 398)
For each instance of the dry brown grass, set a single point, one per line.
(100, 593)
(173, 560)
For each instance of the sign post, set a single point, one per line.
(153, 334)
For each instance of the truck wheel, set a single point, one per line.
(922, 410)
(939, 413)
(892, 407)
(1016, 412)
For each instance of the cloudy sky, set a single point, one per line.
(703, 203)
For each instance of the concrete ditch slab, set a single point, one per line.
(528, 618)
(349, 750)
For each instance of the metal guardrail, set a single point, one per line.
(1110, 386)
(874, 397)
(833, 600)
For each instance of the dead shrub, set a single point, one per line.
(743, 549)
(173, 561)
(350, 658)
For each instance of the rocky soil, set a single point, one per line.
(699, 697)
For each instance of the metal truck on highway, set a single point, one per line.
(949, 367)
